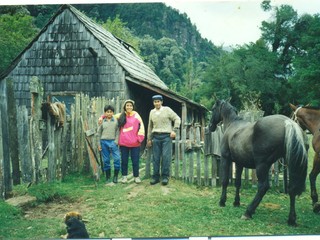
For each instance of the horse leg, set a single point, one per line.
(239, 170)
(292, 214)
(263, 186)
(225, 169)
(313, 177)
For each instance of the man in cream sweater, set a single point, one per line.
(162, 127)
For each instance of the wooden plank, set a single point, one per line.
(183, 155)
(24, 145)
(198, 152)
(35, 134)
(206, 170)
(13, 133)
(190, 156)
(73, 139)
(64, 141)
(214, 170)
(79, 158)
(51, 149)
(92, 156)
(183, 142)
(176, 153)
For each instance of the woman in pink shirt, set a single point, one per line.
(131, 135)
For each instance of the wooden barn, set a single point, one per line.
(73, 55)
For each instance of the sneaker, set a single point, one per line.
(137, 180)
(124, 179)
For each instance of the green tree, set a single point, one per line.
(247, 71)
(118, 28)
(16, 31)
(305, 81)
(167, 59)
(280, 34)
(192, 79)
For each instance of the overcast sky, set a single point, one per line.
(224, 22)
(232, 22)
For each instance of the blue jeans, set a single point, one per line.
(135, 154)
(109, 147)
(162, 149)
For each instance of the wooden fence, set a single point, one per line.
(50, 148)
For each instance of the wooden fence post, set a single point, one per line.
(183, 149)
(214, 170)
(13, 133)
(197, 148)
(73, 160)
(5, 176)
(177, 155)
(64, 162)
(35, 133)
(190, 155)
(27, 165)
(206, 170)
(148, 162)
(51, 149)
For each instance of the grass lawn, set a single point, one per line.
(144, 211)
(136, 211)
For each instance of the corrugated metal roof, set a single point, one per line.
(127, 58)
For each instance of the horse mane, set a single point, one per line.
(312, 107)
(230, 107)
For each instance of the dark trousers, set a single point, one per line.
(134, 154)
(162, 150)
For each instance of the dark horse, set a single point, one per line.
(257, 146)
(309, 118)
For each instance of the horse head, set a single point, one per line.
(216, 115)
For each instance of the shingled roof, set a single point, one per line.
(131, 62)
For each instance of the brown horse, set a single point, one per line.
(309, 118)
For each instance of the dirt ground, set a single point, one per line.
(54, 209)
(58, 208)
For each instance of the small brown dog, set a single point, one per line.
(75, 226)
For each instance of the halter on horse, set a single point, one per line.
(309, 118)
(258, 145)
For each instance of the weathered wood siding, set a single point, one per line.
(67, 57)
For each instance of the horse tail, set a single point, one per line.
(296, 157)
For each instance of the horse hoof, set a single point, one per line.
(222, 204)
(316, 208)
(236, 204)
(245, 217)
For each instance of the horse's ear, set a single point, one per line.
(308, 105)
(293, 107)
(229, 99)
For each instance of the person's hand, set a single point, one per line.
(149, 143)
(100, 120)
(99, 148)
(173, 134)
(140, 138)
